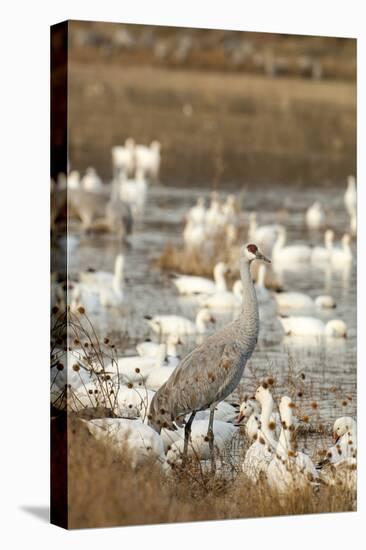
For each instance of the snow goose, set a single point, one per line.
(73, 180)
(91, 181)
(135, 369)
(353, 223)
(148, 159)
(151, 349)
(311, 326)
(123, 158)
(263, 294)
(340, 463)
(194, 235)
(101, 287)
(315, 216)
(350, 196)
(190, 284)
(250, 409)
(289, 255)
(133, 402)
(289, 468)
(196, 215)
(342, 255)
(215, 218)
(99, 279)
(230, 209)
(157, 376)
(345, 439)
(223, 411)
(323, 253)
(134, 192)
(260, 453)
(265, 235)
(198, 445)
(299, 300)
(175, 324)
(224, 299)
(142, 441)
(70, 368)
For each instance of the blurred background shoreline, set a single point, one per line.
(227, 106)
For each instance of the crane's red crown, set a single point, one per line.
(252, 248)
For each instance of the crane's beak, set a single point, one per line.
(335, 437)
(262, 257)
(238, 419)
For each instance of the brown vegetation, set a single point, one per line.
(104, 490)
(267, 129)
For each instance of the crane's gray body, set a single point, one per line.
(211, 371)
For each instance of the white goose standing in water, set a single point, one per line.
(315, 216)
(289, 468)
(260, 453)
(350, 196)
(211, 372)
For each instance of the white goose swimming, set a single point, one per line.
(101, 279)
(260, 453)
(100, 287)
(321, 254)
(265, 235)
(290, 255)
(299, 300)
(224, 299)
(176, 324)
(311, 326)
(289, 468)
(191, 284)
(342, 256)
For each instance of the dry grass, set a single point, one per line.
(98, 487)
(269, 130)
(104, 491)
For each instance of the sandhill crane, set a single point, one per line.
(212, 370)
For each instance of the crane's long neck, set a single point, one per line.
(249, 317)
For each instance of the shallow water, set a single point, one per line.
(329, 365)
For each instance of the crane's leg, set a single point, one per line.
(187, 433)
(210, 437)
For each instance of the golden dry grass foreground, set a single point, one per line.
(216, 125)
(105, 491)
